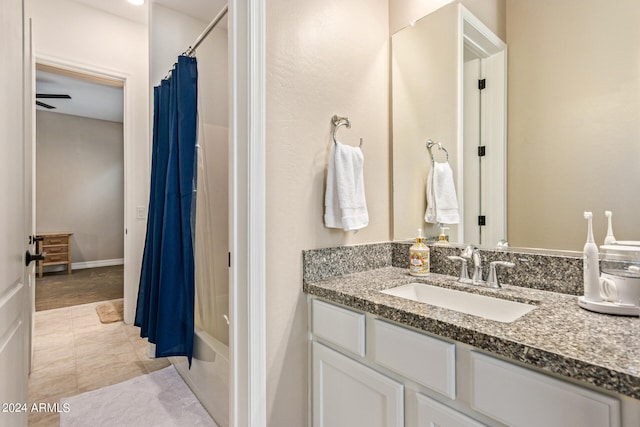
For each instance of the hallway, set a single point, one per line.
(75, 353)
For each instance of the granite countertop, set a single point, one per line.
(558, 336)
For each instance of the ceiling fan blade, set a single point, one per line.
(52, 95)
(42, 104)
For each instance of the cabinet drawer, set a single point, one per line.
(55, 240)
(339, 326)
(428, 361)
(520, 397)
(56, 257)
(50, 250)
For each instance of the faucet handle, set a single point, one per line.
(464, 273)
(467, 253)
(492, 280)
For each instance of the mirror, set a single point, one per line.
(573, 121)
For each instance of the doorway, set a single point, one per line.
(482, 105)
(79, 187)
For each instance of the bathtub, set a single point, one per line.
(208, 377)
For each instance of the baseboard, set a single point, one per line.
(85, 264)
(99, 263)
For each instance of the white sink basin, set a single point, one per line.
(496, 309)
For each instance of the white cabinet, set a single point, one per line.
(432, 413)
(339, 326)
(521, 397)
(347, 393)
(429, 361)
(402, 375)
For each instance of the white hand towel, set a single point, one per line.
(442, 203)
(345, 203)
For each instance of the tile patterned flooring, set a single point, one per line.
(75, 353)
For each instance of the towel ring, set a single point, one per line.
(340, 121)
(430, 144)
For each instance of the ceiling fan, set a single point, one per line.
(50, 96)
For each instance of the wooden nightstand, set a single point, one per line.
(57, 247)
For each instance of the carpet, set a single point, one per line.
(111, 311)
(160, 398)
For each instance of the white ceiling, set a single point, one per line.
(88, 99)
(204, 10)
(105, 102)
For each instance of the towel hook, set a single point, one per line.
(338, 121)
(430, 144)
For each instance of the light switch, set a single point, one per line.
(140, 212)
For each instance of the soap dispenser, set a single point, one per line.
(443, 238)
(591, 265)
(419, 257)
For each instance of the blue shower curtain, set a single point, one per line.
(165, 306)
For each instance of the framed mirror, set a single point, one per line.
(573, 121)
(464, 129)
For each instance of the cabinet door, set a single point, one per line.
(347, 393)
(432, 413)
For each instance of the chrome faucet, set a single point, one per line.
(476, 278)
(492, 280)
(464, 273)
(472, 254)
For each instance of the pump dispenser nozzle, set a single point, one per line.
(443, 238)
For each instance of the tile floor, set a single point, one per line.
(75, 353)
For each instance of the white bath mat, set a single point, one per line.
(160, 398)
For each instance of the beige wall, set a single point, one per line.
(80, 183)
(574, 120)
(323, 58)
(490, 12)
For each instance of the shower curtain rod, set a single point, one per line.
(207, 30)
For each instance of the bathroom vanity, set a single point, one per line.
(382, 360)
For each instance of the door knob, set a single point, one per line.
(34, 257)
(33, 239)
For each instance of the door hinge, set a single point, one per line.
(482, 83)
(482, 220)
(482, 151)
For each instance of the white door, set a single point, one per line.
(14, 312)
